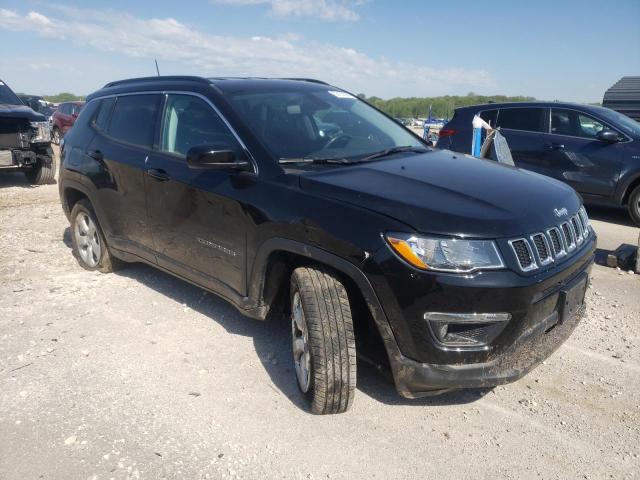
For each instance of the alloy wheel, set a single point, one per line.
(87, 240)
(300, 339)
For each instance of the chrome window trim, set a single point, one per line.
(549, 259)
(534, 264)
(193, 94)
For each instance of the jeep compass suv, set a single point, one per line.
(453, 271)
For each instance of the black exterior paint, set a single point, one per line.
(226, 230)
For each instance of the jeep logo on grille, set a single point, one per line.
(560, 212)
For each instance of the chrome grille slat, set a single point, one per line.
(543, 248)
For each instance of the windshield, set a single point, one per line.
(7, 96)
(626, 124)
(322, 123)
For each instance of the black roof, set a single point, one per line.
(624, 97)
(224, 84)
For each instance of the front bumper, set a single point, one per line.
(541, 322)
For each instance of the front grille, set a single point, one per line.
(523, 252)
(577, 228)
(569, 240)
(543, 248)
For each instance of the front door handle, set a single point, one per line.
(555, 146)
(158, 174)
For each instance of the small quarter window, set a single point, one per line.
(104, 111)
(489, 116)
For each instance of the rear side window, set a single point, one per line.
(529, 119)
(64, 108)
(101, 119)
(133, 119)
(489, 116)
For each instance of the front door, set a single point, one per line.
(590, 166)
(198, 223)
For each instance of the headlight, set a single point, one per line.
(42, 133)
(445, 254)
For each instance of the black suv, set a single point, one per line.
(25, 139)
(594, 149)
(455, 272)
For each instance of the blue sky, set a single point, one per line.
(565, 50)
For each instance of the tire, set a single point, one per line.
(323, 340)
(634, 205)
(44, 171)
(89, 246)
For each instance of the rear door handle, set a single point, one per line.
(555, 146)
(96, 155)
(158, 174)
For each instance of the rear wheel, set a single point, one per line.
(89, 246)
(634, 205)
(324, 351)
(44, 171)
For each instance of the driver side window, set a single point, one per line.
(574, 123)
(189, 121)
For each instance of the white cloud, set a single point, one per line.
(186, 50)
(329, 10)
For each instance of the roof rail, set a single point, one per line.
(157, 79)
(306, 80)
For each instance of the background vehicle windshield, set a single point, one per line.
(323, 123)
(7, 96)
(627, 124)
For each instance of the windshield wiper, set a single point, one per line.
(390, 151)
(314, 160)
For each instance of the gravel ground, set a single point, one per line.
(140, 375)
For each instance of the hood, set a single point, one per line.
(447, 193)
(20, 111)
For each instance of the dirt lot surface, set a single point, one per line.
(140, 375)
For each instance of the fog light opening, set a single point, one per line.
(466, 329)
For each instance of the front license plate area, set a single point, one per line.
(572, 298)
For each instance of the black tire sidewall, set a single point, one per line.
(633, 207)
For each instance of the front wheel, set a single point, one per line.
(634, 205)
(44, 170)
(324, 350)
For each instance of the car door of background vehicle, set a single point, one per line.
(590, 166)
(524, 129)
(122, 146)
(198, 224)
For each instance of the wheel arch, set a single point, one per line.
(635, 182)
(276, 260)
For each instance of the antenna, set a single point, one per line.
(157, 69)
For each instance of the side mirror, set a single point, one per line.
(212, 157)
(608, 136)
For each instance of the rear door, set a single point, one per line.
(590, 166)
(198, 221)
(123, 147)
(524, 128)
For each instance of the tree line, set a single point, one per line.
(441, 107)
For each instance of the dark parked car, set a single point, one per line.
(296, 194)
(64, 118)
(594, 149)
(25, 139)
